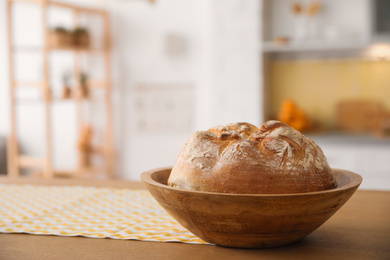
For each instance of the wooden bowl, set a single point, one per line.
(254, 220)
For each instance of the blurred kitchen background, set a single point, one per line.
(112, 88)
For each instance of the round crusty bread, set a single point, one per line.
(243, 159)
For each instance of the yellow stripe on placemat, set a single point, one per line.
(89, 212)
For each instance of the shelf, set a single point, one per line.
(62, 5)
(75, 49)
(28, 161)
(27, 48)
(315, 45)
(48, 96)
(33, 84)
(93, 84)
(81, 173)
(54, 49)
(53, 100)
(339, 138)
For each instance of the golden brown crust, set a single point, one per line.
(239, 158)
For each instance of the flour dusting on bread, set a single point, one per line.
(273, 151)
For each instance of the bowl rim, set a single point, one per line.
(355, 181)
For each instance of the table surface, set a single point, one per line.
(359, 230)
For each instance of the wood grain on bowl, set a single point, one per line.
(250, 220)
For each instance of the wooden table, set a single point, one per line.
(360, 230)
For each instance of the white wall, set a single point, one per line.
(233, 70)
(4, 100)
(219, 63)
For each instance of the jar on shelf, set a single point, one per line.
(59, 37)
(81, 38)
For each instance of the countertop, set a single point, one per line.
(359, 230)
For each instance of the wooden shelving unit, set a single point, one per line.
(318, 45)
(18, 161)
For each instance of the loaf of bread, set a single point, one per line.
(243, 159)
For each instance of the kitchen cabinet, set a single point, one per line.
(365, 155)
(337, 25)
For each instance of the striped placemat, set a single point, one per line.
(89, 212)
